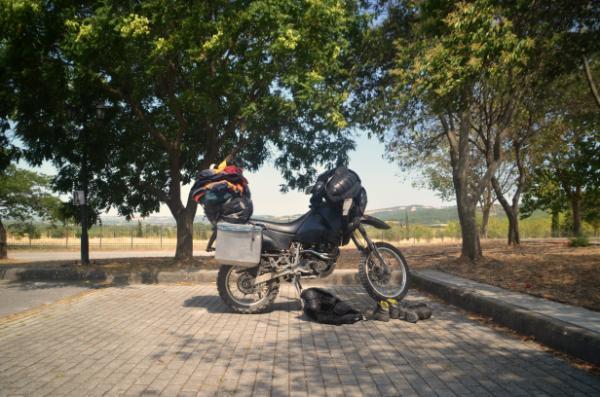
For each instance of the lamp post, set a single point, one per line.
(83, 193)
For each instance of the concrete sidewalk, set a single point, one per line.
(19, 297)
(572, 329)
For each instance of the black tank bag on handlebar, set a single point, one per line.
(333, 188)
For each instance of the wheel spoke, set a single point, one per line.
(380, 275)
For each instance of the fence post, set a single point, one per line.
(101, 233)
(66, 237)
(131, 244)
(160, 230)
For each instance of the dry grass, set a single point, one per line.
(551, 271)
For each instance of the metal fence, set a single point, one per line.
(101, 237)
(153, 236)
(139, 235)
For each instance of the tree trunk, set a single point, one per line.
(471, 247)
(185, 234)
(513, 230)
(512, 213)
(483, 232)
(555, 226)
(576, 209)
(3, 242)
(486, 203)
(466, 200)
(184, 217)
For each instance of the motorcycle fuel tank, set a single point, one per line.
(319, 225)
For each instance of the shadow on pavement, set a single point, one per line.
(214, 304)
(41, 285)
(446, 355)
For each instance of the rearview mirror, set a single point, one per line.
(309, 189)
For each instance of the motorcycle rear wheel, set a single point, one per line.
(379, 286)
(234, 285)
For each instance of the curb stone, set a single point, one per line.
(72, 274)
(574, 340)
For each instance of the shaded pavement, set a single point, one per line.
(181, 340)
(18, 297)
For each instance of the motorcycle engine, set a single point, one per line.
(319, 260)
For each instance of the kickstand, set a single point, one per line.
(298, 286)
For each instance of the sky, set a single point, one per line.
(386, 185)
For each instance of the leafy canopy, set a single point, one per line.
(184, 84)
(24, 194)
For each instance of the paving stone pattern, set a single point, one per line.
(174, 340)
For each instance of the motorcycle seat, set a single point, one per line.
(282, 227)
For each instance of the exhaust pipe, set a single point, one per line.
(317, 254)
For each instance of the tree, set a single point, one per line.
(567, 171)
(460, 72)
(185, 85)
(568, 176)
(437, 176)
(23, 195)
(452, 55)
(558, 50)
(544, 193)
(140, 230)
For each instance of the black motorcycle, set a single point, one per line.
(256, 256)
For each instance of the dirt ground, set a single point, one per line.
(546, 269)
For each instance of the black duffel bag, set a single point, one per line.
(324, 307)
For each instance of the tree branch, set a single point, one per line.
(140, 114)
(590, 80)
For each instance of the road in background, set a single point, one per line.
(42, 256)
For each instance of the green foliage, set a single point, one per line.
(568, 150)
(579, 241)
(470, 42)
(68, 213)
(29, 229)
(25, 194)
(184, 84)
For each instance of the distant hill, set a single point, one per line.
(421, 214)
(416, 214)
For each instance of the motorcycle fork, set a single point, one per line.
(296, 282)
(370, 247)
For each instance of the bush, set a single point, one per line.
(579, 241)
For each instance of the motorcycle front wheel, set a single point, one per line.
(389, 281)
(236, 288)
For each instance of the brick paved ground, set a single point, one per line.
(179, 340)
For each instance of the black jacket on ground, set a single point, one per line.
(324, 307)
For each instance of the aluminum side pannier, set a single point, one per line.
(238, 244)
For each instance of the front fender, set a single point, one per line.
(372, 221)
